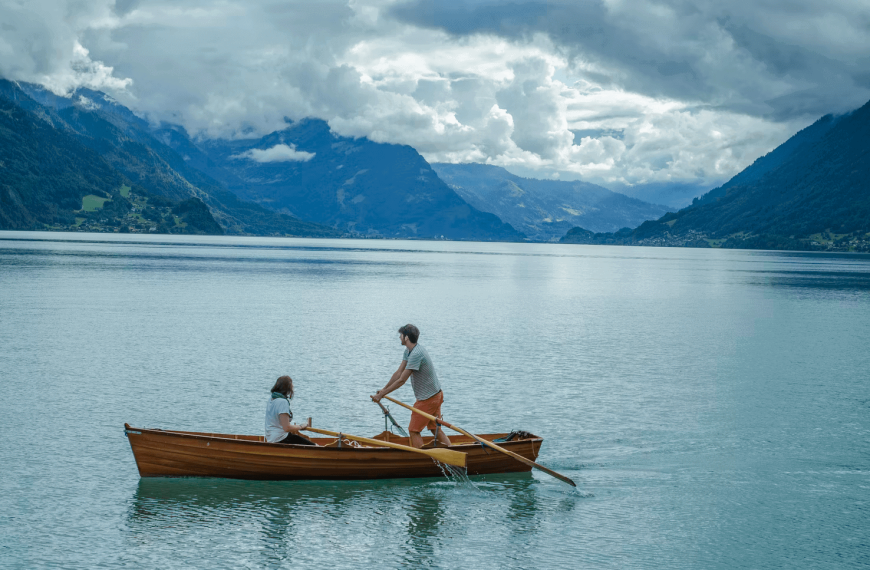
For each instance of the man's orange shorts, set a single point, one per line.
(431, 406)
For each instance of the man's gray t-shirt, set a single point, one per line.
(424, 381)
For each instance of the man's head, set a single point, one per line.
(410, 331)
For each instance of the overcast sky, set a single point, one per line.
(611, 91)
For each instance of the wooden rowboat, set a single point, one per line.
(163, 453)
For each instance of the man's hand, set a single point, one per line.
(377, 396)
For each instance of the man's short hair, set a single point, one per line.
(410, 331)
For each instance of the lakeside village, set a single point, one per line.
(824, 241)
(129, 212)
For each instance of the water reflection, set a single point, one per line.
(681, 426)
(158, 500)
(522, 512)
(425, 516)
(410, 522)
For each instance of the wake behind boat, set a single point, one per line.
(165, 453)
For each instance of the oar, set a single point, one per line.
(447, 456)
(393, 420)
(519, 458)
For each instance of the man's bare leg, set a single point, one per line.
(441, 437)
(416, 439)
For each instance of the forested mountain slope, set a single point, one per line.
(45, 172)
(813, 191)
(123, 144)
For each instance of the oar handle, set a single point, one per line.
(487, 443)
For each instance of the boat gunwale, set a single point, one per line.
(204, 435)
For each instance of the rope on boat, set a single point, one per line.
(341, 441)
(514, 435)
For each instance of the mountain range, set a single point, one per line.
(811, 192)
(58, 150)
(85, 162)
(303, 180)
(545, 209)
(355, 185)
(674, 195)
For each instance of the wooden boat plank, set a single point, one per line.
(219, 464)
(217, 467)
(265, 460)
(172, 453)
(158, 464)
(223, 461)
(246, 462)
(309, 471)
(229, 462)
(283, 451)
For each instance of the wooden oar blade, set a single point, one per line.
(487, 443)
(448, 456)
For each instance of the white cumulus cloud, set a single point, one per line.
(278, 153)
(620, 93)
(41, 42)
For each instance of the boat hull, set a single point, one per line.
(160, 453)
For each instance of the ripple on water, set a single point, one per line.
(711, 405)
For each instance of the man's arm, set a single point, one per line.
(398, 373)
(397, 380)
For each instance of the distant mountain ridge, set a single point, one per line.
(122, 141)
(544, 209)
(811, 192)
(355, 185)
(343, 186)
(50, 179)
(674, 195)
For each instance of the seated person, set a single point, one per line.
(278, 416)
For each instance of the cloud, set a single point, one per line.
(40, 42)
(278, 153)
(612, 92)
(86, 103)
(772, 58)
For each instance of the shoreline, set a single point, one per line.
(208, 239)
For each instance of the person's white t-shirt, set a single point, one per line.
(274, 431)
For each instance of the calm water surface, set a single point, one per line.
(713, 406)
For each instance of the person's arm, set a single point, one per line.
(292, 428)
(397, 380)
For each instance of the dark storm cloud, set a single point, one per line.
(612, 92)
(774, 59)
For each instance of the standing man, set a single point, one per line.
(417, 365)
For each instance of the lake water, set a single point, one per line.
(713, 406)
